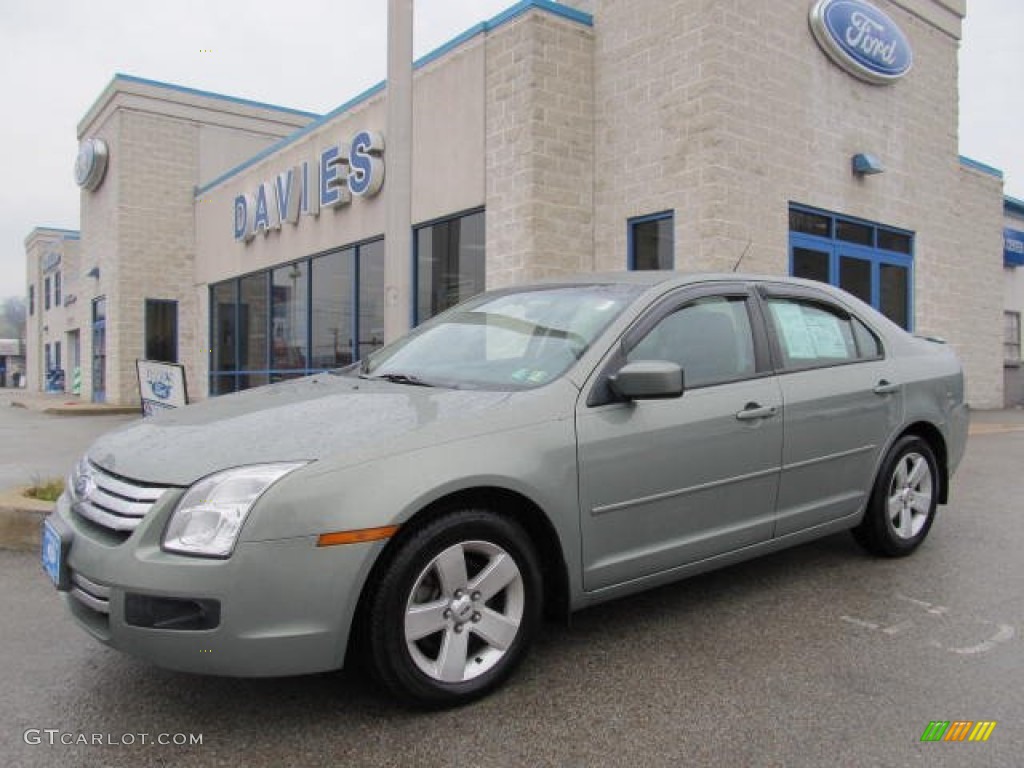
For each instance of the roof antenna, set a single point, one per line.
(742, 255)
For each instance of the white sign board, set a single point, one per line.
(161, 386)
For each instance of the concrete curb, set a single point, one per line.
(20, 519)
(77, 409)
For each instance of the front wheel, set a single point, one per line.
(903, 501)
(455, 609)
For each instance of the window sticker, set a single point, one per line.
(808, 333)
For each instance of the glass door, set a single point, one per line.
(99, 350)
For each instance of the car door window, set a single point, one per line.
(710, 339)
(812, 334)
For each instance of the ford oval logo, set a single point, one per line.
(862, 40)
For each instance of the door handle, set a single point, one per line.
(754, 411)
(885, 388)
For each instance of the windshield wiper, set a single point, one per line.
(399, 378)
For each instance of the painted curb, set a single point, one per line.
(20, 519)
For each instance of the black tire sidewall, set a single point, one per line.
(881, 528)
(390, 657)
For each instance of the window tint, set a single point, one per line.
(813, 334)
(710, 339)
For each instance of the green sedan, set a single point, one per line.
(526, 454)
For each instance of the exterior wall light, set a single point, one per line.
(94, 272)
(866, 165)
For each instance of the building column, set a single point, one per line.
(398, 191)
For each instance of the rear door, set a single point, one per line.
(664, 483)
(842, 402)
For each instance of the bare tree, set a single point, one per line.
(12, 318)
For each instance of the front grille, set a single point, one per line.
(113, 503)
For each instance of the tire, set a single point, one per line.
(455, 609)
(902, 506)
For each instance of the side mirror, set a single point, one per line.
(648, 380)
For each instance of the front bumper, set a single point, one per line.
(281, 607)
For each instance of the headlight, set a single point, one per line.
(210, 515)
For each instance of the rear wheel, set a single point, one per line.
(455, 610)
(903, 501)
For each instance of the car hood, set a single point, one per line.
(311, 418)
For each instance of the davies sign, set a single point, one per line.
(341, 170)
(862, 40)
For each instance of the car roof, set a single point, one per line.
(652, 278)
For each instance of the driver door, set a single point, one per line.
(666, 483)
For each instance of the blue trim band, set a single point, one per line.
(975, 165)
(66, 234)
(212, 95)
(483, 27)
(1013, 205)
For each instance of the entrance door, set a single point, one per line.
(74, 363)
(99, 350)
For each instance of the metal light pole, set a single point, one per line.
(398, 184)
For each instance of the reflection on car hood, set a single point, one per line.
(310, 418)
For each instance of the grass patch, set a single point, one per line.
(45, 490)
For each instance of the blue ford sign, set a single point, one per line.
(862, 40)
(1013, 247)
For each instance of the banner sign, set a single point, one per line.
(161, 386)
(1013, 247)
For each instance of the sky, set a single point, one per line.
(57, 56)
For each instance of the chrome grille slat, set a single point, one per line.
(89, 593)
(114, 503)
(105, 519)
(117, 505)
(141, 493)
(99, 590)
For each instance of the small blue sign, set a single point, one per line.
(1013, 247)
(862, 40)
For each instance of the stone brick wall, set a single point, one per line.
(539, 149)
(726, 112)
(155, 240)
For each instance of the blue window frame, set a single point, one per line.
(872, 261)
(296, 319)
(650, 241)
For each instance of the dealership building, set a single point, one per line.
(246, 241)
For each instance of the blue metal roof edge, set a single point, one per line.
(213, 95)
(975, 165)
(1013, 205)
(485, 26)
(67, 234)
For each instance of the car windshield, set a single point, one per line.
(507, 340)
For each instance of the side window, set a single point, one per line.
(710, 339)
(868, 345)
(812, 334)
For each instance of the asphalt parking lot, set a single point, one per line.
(816, 656)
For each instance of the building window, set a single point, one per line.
(289, 316)
(46, 294)
(56, 289)
(871, 261)
(450, 263)
(332, 308)
(651, 241)
(370, 303)
(1011, 337)
(162, 330)
(31, 300)
(306, 317)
